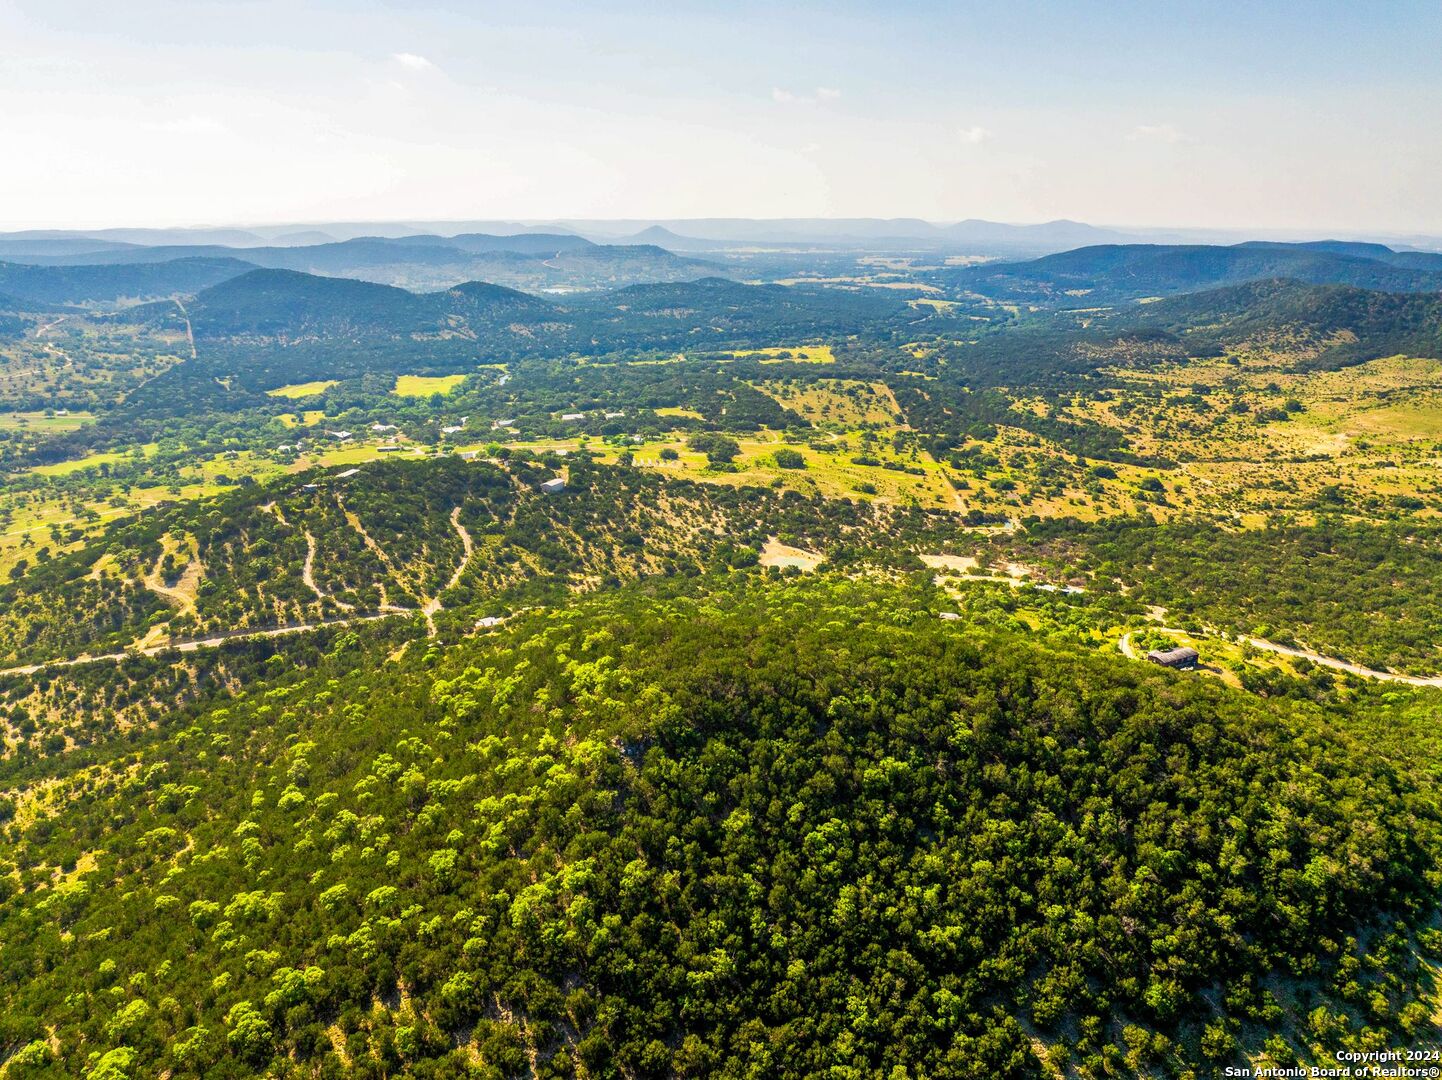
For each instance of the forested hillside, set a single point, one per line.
(792, 832)
(1331, 325)
(270, 327)
(407, 538)
(46, 286)
(1109, 273)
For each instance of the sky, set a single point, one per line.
(1312, 116)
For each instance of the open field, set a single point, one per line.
(783, 354)
(91, 461)
(47, 423)
(305, 389)
(830, 470)
(880, 281)
(1251, 438)
(846, 402)
(425, 385)
(305, 419)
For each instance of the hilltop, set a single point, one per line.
(678, 832)
(1113, 273)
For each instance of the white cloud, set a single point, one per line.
(1162, 133)
(973, 135)
(788, 97)
(810, 148)
(412, 61)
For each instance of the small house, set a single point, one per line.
(553, 485)
(383, 427)
(388, 449)
(488, 621)
(347, 474)
(573, 416)
(947, 616)
(1182, 658)
(467, 455)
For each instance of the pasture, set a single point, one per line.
(425, 385)
(301, 390)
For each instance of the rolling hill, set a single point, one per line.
(725, 827)
(1116, 273)
(116, 283)
(535, 261)
(388, 539)
(1328, 325)
(272, 327)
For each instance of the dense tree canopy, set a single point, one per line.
(785, 830)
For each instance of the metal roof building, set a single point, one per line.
(1181, 657)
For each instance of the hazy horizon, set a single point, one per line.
(613, 229)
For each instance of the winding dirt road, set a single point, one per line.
(307, 574)
(1343, 665)
(434, 604)
(197, 644)
(1127, 649)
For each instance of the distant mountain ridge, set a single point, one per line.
(702, 234)
(536, 261)
(971, 235)
(341, 255)
(107, 284)
(1115, 273)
